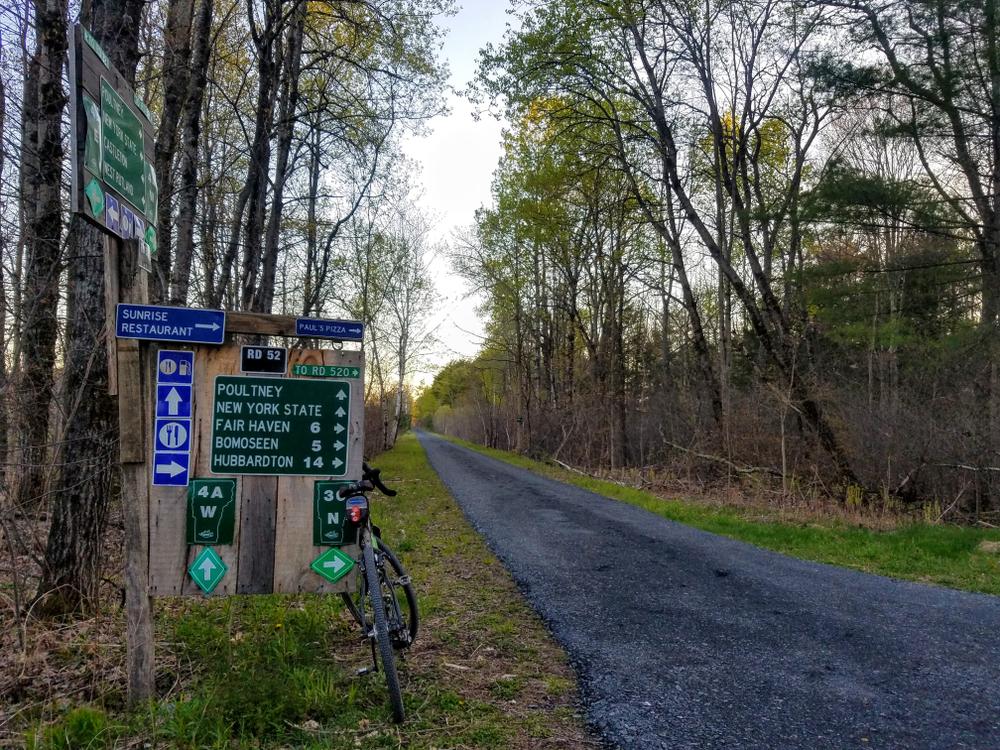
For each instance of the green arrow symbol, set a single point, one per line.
(336, 563)
(211, 569)
(332, 565)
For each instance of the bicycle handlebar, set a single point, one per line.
(373, 476)
(370, 480)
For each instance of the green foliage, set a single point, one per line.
(84, 728)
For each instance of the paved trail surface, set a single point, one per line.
(685, 639)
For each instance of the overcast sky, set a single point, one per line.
(457, 161)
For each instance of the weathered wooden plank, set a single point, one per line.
(209, 363)
(131, 405)
(138, 605)
(131, 408)
(135, 485)
(258, 498)
(259, 323)
(294, 550)
(169, 555)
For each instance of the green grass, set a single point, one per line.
(930, 553)
(278, 671)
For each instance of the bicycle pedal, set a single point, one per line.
(364, 671)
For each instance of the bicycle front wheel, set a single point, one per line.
(381, 627)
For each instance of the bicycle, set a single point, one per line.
(384, 604)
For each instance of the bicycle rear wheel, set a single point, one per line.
(381, 627)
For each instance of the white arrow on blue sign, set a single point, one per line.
(162, 323)
(173, 418)
(171, 469)
(341, 330)
(173, 400)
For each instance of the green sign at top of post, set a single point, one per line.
(122, 148)
(280, 426)
(327, 371)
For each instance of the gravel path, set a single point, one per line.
(685, 639)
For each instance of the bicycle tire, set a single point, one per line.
(413, 621)
(412, 617)
(381, 626)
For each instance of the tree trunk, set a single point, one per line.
(260, 156)
(82, 488)
(180, 274)
(3, 298)
(177, 70)
(81, 495)
(263, 299)
(42, 196)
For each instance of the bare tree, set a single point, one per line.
(41, 196)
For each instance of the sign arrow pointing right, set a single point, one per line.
(172, 469)
(336, 563)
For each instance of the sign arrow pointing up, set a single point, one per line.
(173, 400)
(206, 568)
(341, 395)
(340, 411)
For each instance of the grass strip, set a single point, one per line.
(278, 671)
(929, 553)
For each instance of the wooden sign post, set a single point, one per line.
(226, 474)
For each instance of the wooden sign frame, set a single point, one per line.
(273, 541)
(272, 547)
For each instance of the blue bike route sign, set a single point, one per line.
(161, 323)
(172, 423)
(341, 330)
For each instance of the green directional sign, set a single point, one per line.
(280, 426)
(211, 516)
(326, 371)
(330, 524)
(207, 570)
(332, 565)
(112, 142)
(122, 147)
